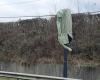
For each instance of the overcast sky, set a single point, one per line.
(12, 8)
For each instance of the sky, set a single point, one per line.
(14, 8)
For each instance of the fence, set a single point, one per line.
(31, 76)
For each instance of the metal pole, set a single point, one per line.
(78, 6)
(65, 63)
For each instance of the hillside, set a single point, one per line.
(35, 41)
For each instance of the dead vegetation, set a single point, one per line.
(35, 41)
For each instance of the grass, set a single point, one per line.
(5, 78)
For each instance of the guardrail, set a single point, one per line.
(30, 76)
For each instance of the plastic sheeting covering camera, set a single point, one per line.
(64, 27)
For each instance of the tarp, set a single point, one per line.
(64, 27)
